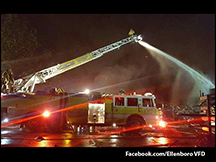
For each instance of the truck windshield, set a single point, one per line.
(147, 102)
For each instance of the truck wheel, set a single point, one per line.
(134, 125)
(54, 124)
(34, 125)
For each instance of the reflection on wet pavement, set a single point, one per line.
(172, 137)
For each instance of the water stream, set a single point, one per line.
(201, 82)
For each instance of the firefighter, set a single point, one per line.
(131, 32)
(56, 91)
(3, 84)
(60, 91)
(121, 92)
(7, 81)
(11, 80)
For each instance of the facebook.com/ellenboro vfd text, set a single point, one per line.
(165, 153)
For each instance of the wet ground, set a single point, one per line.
(172, 136)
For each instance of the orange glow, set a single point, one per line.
(162, 140)
(162, 124)
(205, 129)
(46, 114)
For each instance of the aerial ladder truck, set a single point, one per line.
(78, 109)
(27, 84)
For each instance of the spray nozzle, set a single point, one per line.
(132, 33)
(139, 38)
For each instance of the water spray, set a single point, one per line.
(193, 73)
(206, 84)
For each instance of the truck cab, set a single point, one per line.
(125, 110)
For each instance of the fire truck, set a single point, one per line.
(131, 111)
(57, 109)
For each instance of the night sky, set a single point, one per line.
(189, 38)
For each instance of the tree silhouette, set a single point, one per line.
(18, 37)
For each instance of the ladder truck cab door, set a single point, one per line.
(118, 109)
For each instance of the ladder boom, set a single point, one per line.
(27, 84)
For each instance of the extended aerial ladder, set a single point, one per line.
(27, 84)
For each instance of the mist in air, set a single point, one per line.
(185, 76)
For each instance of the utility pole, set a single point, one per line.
(209, 113)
